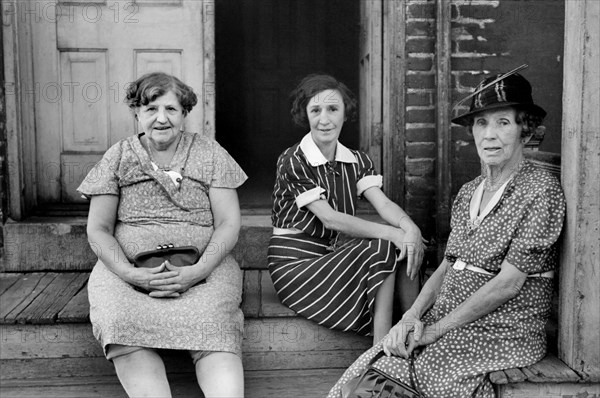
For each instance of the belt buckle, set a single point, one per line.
(459, 265)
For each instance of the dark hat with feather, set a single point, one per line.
(508, 89)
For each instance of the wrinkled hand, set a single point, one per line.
(144, 277)
(176, 280)
(402, 338)
(412, 247)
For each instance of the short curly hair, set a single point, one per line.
(529, 121)
(153, 85)
(313, 84)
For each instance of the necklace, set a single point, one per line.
(493, 184)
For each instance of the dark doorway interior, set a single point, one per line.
(263, 49)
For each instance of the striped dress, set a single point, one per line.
(315, 271)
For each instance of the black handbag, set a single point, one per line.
(374, 383)
(178, 256)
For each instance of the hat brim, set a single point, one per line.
(463, 120)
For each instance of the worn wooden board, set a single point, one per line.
(7, 280)
(550, 369)
(21, 294)
(46, 306)
(251, 294)
(498, 377)
(77, 309)
(258, 384)
(270, 304)
(548, 390)
(515, 375)
(579, 278)
(269, 335)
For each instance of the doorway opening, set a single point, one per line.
(262, 50)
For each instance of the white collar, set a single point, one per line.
(315, 157)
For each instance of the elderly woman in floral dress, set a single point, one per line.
(485, 307)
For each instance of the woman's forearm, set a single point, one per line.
(430, 291)
(223, 240)
(108, 250)
(360, 228)
(485, 300)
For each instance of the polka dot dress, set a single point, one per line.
(523, 228)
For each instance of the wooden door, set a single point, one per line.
(84, 55)
(371, 79)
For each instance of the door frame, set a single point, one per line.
(20, 98)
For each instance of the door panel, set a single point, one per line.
(83, 60)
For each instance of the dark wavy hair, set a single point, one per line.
(313, 84)
(153, 85)
(531, 123)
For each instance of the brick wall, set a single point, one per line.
(420, 93)
(488, 36)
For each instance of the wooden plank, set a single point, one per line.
(77, 309)
(579, 318)
(394, 65)
(498, 377)
(274, 383)
(270, 304)
(444, 139)
(22, 293)
(548, 390)
(515, 375)
(550, 369)
(23, 341)
(7, 280)
(251, 294)
(45, 307)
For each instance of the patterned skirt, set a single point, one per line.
(336, 288)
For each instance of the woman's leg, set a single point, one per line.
(406, 290)
(220, 374)
(384, 308)
(142, 374)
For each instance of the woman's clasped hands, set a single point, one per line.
(167, 280)
(407, 335)
(412, 247)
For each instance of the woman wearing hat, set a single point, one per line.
(486, 306)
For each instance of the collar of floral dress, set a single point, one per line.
(316, 158)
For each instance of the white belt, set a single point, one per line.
(460, 265)
(285, 231)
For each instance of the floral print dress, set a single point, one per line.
(523, 228)
(153, 210)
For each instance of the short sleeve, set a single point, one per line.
(367, 177)
(533, 245)
(293, 176)
(226, 172)
(102, 178)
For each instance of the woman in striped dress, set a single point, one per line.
(341, 283)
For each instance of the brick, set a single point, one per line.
(479, 46)
(415, 201)
(421, 150)
(421, 135)
(420, 45)
(420, 28)
(478, 11)
(421, 10)
(420, 80)
(420, 167)
(421, 185)
(466, 63)
(467, 80)
(420, 115)
(422, 98)
(420, 64)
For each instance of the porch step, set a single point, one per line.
(45, 330)
(60, 244)
(548, 378)
(258, 384)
